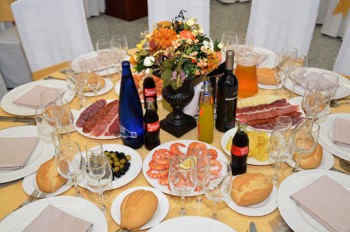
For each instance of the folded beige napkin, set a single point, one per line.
(31, 99)
(52, 219)
(313, 76)
(262, 57)
(326, 201)
(15, 152)
(342, 132)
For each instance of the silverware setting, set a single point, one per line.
(54, 78)
(335, 103)
(27, 120)
(252, 227)
(279, 225)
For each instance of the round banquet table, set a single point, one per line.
(12, 194)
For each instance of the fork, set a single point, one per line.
(279, 225)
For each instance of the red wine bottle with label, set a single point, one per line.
(240, 150)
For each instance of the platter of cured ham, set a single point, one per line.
(138, 79)
(155, 166)
(261, 113)
(99, 120)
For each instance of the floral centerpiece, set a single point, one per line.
(177, 50)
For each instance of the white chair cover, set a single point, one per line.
(342, 62)
(94, 7)
(275, 24)
(322, 10)
(160, 10)
(52, 31)
(3, 89)
(13, 63)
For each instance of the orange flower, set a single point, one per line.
(162, 38)
(185, 34)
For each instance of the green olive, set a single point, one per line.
(128, 157)
(116, 169)
(122, 161)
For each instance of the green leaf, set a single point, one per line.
(144, 53)
(169, 64)
(166, 77)
(179, 64)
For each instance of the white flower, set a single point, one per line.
(191, 22)
(148, 61)
(200, 30)
(220, 45)
(195, 33)
(208, 45)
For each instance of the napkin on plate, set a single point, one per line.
(327, 201)
(31, 99)
(342, 132)
(52, 219)
(313, 76)
(262, 57)
(15, 152)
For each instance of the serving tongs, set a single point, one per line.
(28, 120)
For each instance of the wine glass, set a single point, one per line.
(219, 186)
(77, 80)
(305, 140)
(93, 78)
(50, 101)
(98, 175)
(229, 41)
(117, 55)
(48, 132)
(279, 148)
(330, 82)
(69, 162)
(93, 148)
(121, 39)
(183, 177)
(203, 166)
(103, 48)
(245, 43)
(298, 70)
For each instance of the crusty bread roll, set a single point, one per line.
(265, 76)
(47, 177)
(92, 79)
(311, 161)
(250, 188)
(137, 209)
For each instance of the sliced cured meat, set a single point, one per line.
(114, 128)
(90, 111)
(269, 123)
(92, 122)
(103, 125)
(278, 103)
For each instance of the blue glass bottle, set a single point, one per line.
(130, 110)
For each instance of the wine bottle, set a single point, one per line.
(130, 110)
(226, 100)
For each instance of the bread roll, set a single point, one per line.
(311, 161)
(266, 76)
(47, 177)
(137, 209)
(250, 188)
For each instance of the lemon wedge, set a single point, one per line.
(187, 164)
(229, 144)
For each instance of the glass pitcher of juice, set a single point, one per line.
(246, 73)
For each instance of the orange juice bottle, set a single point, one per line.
(246, 74)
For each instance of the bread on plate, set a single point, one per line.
(47, 177)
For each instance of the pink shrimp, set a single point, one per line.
(175, 148)
(215, 168)
(157, 174)
(213, 153)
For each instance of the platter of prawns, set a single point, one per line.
(155, 166)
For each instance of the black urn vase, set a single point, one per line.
(177, 122)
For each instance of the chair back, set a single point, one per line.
(275, 24)
(3, 89)
(51, 31)
(169, 9)
(342, 62)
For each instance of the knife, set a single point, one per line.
(252, 227)
(18, 119)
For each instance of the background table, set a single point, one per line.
(13, 195)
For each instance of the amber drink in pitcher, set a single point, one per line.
(246, 73)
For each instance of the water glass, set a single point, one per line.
(219, 186)
(282, 66)
(121, 39)
(70, 162)
(245, 43)
(93, 78)
(116, 56)
(103, 48)
(229, 41)
(48, 132)
(183, 177)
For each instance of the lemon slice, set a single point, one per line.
(229, 144)
(187, 164)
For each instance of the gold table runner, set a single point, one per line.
(13, 195)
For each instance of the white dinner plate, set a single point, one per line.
(342, 91)
(76, 114)
(269, 62)
(11, 108)
(131, 174)
(108, 86)
(326, 137)
(29, 184)
(260, 209)
(295, 216)
(262, 86)
(117, 91)
(41, 153)
(191, 224)
(159, 215)
(326, 163)
(90, 55)
(251, 160)
(148, 158)
(74, 206)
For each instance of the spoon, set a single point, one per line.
(335, 103)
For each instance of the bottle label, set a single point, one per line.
(127, 134)
(150, 92)
(152, 127)
(239, 151)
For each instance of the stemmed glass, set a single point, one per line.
(77, 80)
(219, 186)
(69, 162)
(298, 70)
(183, 177)
(93, 77)
(279, 147)
(229, 41)
(116, 55)
(98, 172)
(203, 167)
(121, 39)
(305, 140)
(48, 132)
(245, 43)
(330, 83)
(103, 48)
